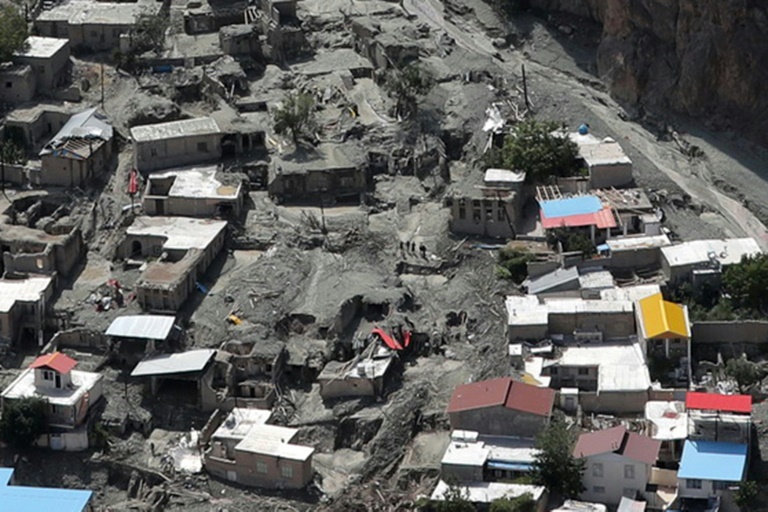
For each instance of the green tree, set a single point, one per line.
(747, 495)
(745, 283)
(571, 241)
(23, 421)
(297, 115)
(148, 33)
(406, 85)
(554, 465)
(524, 503)
(11, 153)
(743, 371)
(13, 32)
(535, 147)
(513, 263)
(455, 499)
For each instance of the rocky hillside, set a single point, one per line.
(704, 58)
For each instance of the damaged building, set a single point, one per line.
(58, 249)
(79, 152)
(365, 375)
(247, 450)
(252, 370)
(176, 143)
(202, 191)
(132, 337)
(184, 249)
(188, 376)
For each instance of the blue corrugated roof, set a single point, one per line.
(40, 499)
(711, 460)
(579, 205)
(510, 466)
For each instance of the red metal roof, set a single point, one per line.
(717, 402)
(486, 393)
(57, 361)
(620, 441)
(531, 399)
(602, 219)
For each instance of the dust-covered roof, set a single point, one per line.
(38, 47)
(23, 290)
(170, 364)
(727, 252)
(200, 182)
(175, 129)
(179, 232)
(150, 327)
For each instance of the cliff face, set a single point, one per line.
(704, 58)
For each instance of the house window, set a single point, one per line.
(153, 151)
(202, 147)
(261, 467)
(476, 214)
(462, 212)
(720, 486)
(553, 371)
(286, 471)
(598, 489)
(54, 409)
(41, 69)
(597, 470)
(488, 213)
(8, 85)
(693, 483)
(500, 213)
(47, 375)
(629, 471)
(583, 371)
(449, 203)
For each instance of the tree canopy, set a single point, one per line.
(535, 148)
(149, 32)
(743, 371)
(297, 115)
(13, 32)
(554, 465)
(23, 421)
(745, 283)
(406, 85)
(524, 503)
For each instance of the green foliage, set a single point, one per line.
(455, 499)
(297, 115)
(148, 33)
(747, 495)
(745, 283)
(101, 438)
(743, 371)
(571, 241)
(705, 303)
(554, 465)
(524, 503)
(406, 85)
(23, 421)
(13, 32)
(11, 153)
(513, 264)
(532, 147)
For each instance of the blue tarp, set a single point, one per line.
(571, 206)
(713, 460)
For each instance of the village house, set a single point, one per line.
(502, 407)
(253, 368)
(194, 192)
(33, 126)
(618, 464)
(716, 417)
(634, 211)
(492, 209)
(586, 283)
(326, 173)
(471, 457)
(176, 143)
(245, 449)
(18, 83)
(707, 468)
(184, 249)
(56, 250)
(91, 24)
(667, 423)
(704, 260)
(70, 395)
(240, 40)
(49, 59)
(568, 319)
(79, 152)
(665, 332)
(363, 376)
(605, 160)
(23, 303)
(582, 214)
(38, 499)
(482, 494)
(132, 337)
(633, 252)
(190, 373)
(609, 377)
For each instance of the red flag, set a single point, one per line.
(133, 183)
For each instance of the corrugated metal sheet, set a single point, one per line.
(486, 393)
(40, 499)
(620, 441)
(57, 361)
(531, 399)
(146, 327)
(663, 319)
(717, 402)
(169, 364)
(602, 219)
(579, 205)
(712, 460)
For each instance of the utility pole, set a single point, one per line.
(525, 90)
(102, 85)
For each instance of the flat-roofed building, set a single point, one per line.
(17, 83)
(679, 262)
(22, 306)
(194, 192)
(176, 143)
(247, 450)
(186, 247)
(49, 59)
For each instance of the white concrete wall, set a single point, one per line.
(613, 479)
